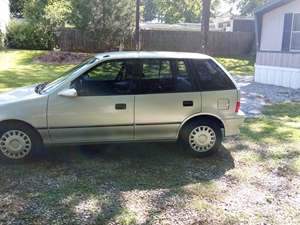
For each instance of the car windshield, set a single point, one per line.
(49, 86)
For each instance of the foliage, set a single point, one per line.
(43, 17)
(25, 35)
(247, 7)
(150, 10)
(187, 11)
(169, 11)
(50, 13)
(107, 21)
(16, 8)
(1, 40)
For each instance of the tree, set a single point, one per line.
(205, 23)
(44, 17)
(187, 11)
(137, 24)
(247, 7)
(150, 10)
(107, 21)
(16, 8)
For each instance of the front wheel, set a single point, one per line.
(202, 138)
(19, 141)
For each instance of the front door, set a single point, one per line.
(102, 111)
(166, 96)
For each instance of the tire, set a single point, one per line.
(202, 137)
(19, 142)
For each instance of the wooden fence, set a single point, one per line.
(220, 43)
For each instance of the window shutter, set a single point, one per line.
(287, 29)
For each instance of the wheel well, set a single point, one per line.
(204, 117)
(14, 122)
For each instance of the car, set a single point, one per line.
(120, 97)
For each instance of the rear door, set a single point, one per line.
(219, 93)
(166, 96)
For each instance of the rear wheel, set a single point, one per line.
(202, 137)
(19, 141)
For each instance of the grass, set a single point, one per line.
(17, 68)
(238, 66)
(157, 183)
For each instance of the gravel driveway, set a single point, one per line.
(255, 95)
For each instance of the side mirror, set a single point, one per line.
(68, 93)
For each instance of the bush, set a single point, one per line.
(1, 40)
(24, 35)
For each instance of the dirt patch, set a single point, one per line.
(62, 57)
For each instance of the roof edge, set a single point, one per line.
(271, 5)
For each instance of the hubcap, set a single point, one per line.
(202, 139)
(15, 144)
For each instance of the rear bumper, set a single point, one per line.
(232, 124)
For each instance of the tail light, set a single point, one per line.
(237, 106)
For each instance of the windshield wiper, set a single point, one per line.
(40, 87)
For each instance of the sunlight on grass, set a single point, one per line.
(17, 69)
(225, 217)
(280, 124)
(278, 135)
(238, 66)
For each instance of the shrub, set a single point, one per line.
(1, 40)
(24, 35)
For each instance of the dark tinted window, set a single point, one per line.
(211, 77)
(184, 82)
(108, 78)
(164, 76)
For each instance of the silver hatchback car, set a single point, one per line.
(121, 97)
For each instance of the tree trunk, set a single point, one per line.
(205, 24)
(137, 25)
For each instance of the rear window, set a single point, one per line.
(211, 77)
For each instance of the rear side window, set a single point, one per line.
(164, 76)
(211, 77)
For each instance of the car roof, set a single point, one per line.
(151, 55)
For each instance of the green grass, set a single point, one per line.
(121, 184)
(281, 123)
(238, 66)
(17, 69)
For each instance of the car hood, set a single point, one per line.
(18, 94)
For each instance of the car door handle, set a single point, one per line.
(188, 103)
(120, 106)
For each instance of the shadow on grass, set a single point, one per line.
(79, 184)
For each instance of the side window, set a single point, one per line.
(211, 77)
(105, 71)
(184, 81)
(182, 68)
(164, 76)
(108, 78)
(156, 69)
(155, 76)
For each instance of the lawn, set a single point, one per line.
(17, 68)
(253, 179)
(238, 66)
